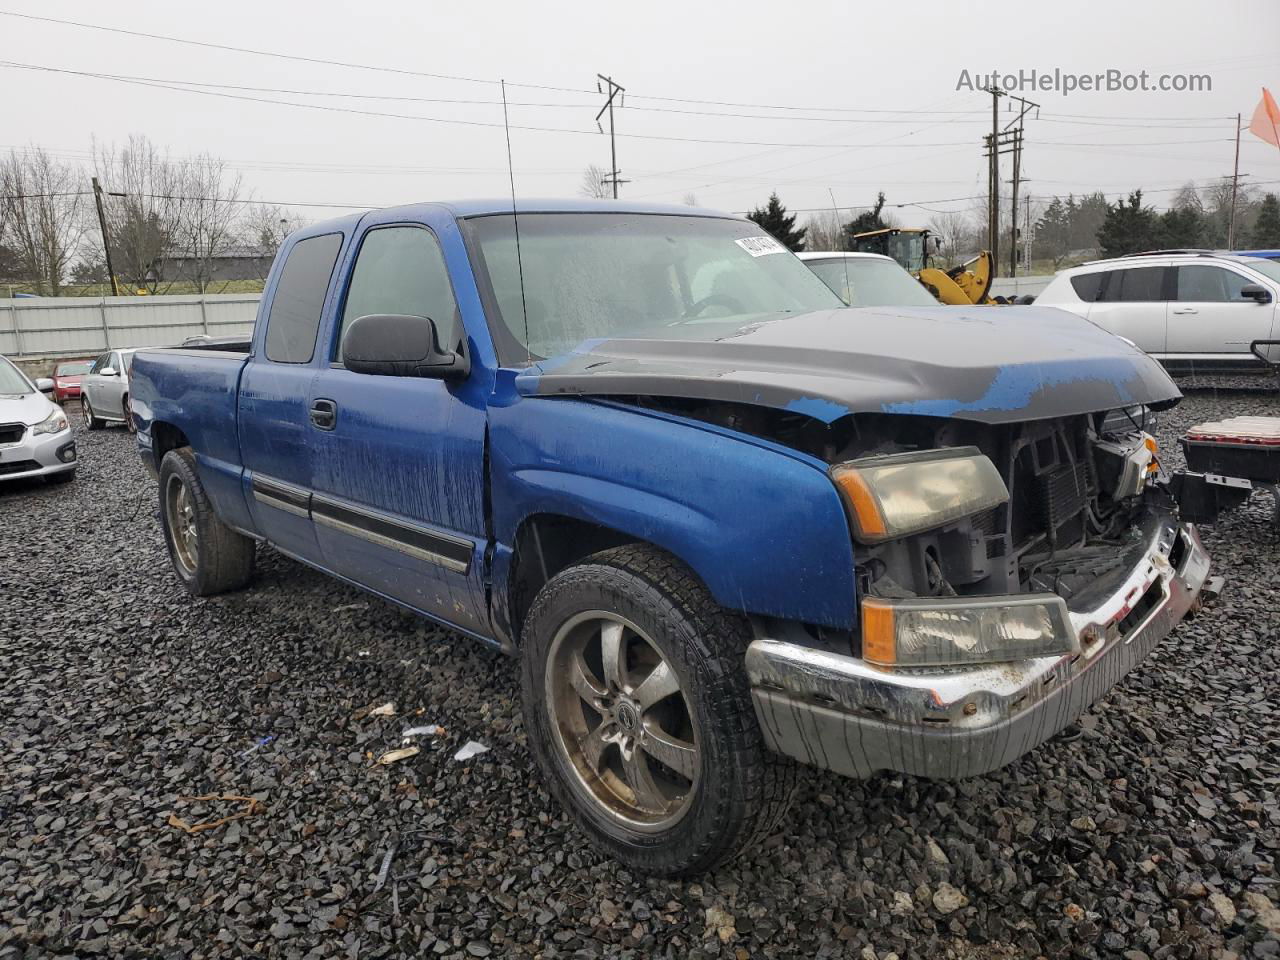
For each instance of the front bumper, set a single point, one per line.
(842, 713)
(38, 456)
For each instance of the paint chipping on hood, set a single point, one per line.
(988, 364)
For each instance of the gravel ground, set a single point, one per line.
(1155, 832)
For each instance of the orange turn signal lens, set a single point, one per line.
(878, 642)
(866, 511)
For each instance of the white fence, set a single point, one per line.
(52, 327)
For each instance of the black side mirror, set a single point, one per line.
(1255, 291)
(398, 345)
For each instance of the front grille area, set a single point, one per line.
(11, 432)
(1064, 492)
(18, 466)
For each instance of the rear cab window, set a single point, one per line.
(1088, 285)
(294, 317)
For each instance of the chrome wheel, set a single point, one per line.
(180, 514)
(621, 722)
(86, 412)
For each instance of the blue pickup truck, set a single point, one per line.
(726, 523)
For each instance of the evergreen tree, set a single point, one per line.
(1128, 227)
(1053, 231)
(1180, 228)
(1266, 229)
(866, 221)
(773, 218)
(1087, 216)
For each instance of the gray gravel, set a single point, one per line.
(1153, 833)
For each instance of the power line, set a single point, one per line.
(323, 61)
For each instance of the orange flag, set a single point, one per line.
(1266, 119)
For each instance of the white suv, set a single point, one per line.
(1185, 308)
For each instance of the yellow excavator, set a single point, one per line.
(914, 247)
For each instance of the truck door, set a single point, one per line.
(275, 387)
(399, 461)
(1210, 316)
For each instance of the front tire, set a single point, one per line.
(638, 710)
(90, 421)
(207, 555)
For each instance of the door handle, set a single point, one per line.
(1185, 310)
(324, 414)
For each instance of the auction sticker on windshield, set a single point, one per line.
(760, 246)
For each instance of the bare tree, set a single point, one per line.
(264, 226)
(593, 184)
(689, 200)
(954, 228)
(213, 202)
(824, 232)
(144, 206)
(41, 201)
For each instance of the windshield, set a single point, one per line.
(1268, 268)
(11, 380)
(870, 282)
(639, 276)
(72, 369)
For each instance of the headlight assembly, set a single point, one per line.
(56, 423)
(905, 493)
(961, 630)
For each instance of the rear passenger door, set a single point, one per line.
(275, 433)
(1132, 304)
(1209, 316)
(399, 466)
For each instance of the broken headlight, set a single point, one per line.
(900, 494)
(956, 630)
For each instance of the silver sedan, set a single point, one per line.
(35, 437)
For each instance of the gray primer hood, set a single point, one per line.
(990, 364)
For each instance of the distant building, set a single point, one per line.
(234, 263)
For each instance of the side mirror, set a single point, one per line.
(107, 372)
(44, 385)
(1255, 291)
(398, 345)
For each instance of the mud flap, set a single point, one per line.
(1201, 497)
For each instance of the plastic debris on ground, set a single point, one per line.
(430, 730)
(470, 749)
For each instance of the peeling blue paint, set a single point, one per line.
(1015, 386)
(818, 408)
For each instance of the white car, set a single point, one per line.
(868, 280)
(104, 390)
(35, 437)
(1185, 308)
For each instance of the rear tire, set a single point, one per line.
(127, 405)
(706, 787)
(207, 555)
(90, 421)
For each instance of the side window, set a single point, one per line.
(1088, 285)
(100, 363)
(1205, 284)
(401, 270)
(114, 361)
(1136, 285)
(294, 317)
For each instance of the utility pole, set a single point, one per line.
(1235, 183)
(106, 237)
(1026, 234)
(1017, 132)
(993, 180)
(613, 90)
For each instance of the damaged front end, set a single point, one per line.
(1009, 575)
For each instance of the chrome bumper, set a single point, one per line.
(842, 713)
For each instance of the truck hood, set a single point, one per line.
(990, 364)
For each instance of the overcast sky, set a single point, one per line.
(841, 64)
